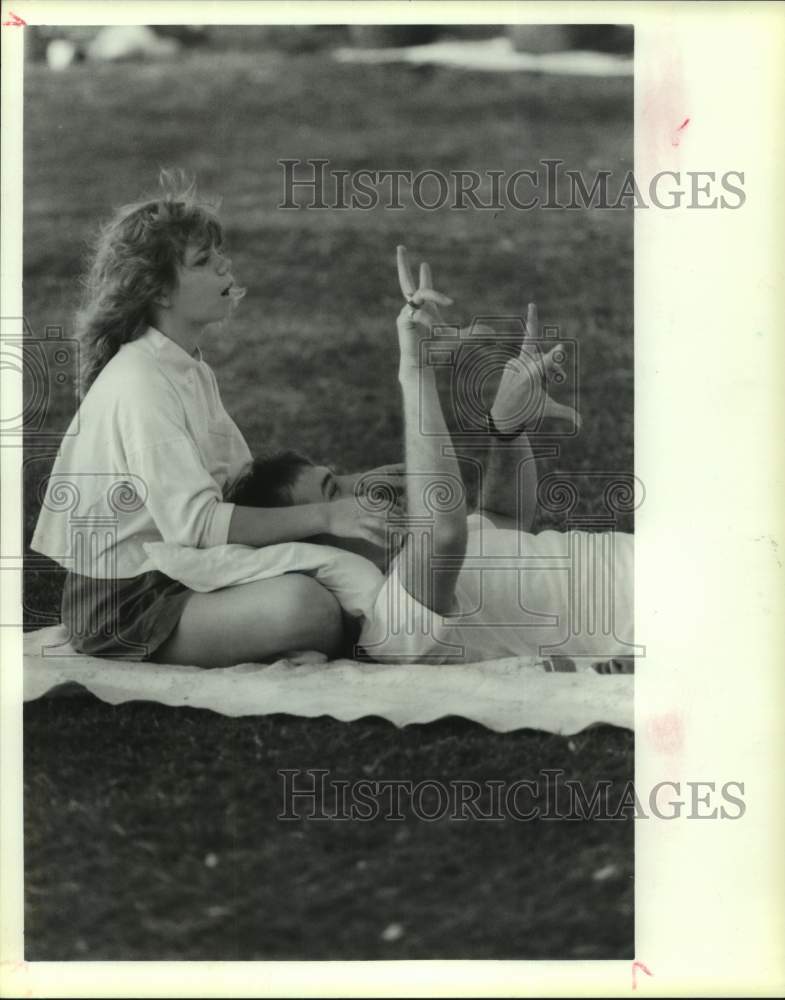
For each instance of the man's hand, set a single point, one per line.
(522, 398)
(421, 312)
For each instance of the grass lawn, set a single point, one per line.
(151, 833)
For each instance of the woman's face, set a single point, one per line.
(201, 295)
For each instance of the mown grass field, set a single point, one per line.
(151, 833)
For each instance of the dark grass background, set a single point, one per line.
(150, 833)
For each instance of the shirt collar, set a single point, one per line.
(164, 347)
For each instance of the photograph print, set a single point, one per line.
(329, 492)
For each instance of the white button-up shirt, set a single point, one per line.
(145, 459)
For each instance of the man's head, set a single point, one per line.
(284, 480)
(290, 478)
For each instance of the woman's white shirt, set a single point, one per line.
(145, 459)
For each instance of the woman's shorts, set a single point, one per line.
(125, 619)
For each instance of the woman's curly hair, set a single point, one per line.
(134, 260)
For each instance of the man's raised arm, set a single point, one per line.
(435, 533)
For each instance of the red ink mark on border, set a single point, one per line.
(666, 732)
(639, 965)
(15, 22)
(676, 138)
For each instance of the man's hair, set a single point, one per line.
(269, 481)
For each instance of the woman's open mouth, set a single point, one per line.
(233, 292)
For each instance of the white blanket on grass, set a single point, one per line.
(503, 695)
(494, 55)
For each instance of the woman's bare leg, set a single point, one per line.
(255, 622)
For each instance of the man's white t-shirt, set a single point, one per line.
(554, 593)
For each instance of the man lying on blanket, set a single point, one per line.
(457, 586)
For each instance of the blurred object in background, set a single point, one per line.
(75, 43)
(498, 55)
(62, 45)
(61, 52)
(39, 38)
(538, 38)
(130, 41)
(386, 36)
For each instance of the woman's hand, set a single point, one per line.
(348, 518)
(522, 398)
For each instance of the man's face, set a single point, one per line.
(315, 484)
(318, 484)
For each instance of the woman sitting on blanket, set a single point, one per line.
(472, 586)
(150, 452)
